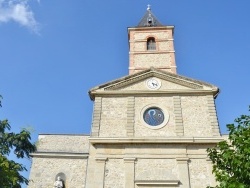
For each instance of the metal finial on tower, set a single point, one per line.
(149, 7)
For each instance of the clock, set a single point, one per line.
(153, 83)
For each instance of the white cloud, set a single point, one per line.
(20, 12)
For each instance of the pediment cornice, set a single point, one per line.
(167, 77)
(148, 140)
(126, 81)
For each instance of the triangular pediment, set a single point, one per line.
(169, 81)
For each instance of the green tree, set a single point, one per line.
(231, 159)
(19, 143)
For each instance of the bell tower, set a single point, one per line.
(151, 45)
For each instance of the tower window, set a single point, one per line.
(151, 44)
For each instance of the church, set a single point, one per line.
(149, 129)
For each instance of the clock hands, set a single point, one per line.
(155, 84)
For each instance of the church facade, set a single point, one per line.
(150, 129)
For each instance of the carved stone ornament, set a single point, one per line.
(58, 183)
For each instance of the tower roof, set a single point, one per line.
(149, 19)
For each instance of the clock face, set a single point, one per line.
(153, 83)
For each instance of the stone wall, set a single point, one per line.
(114, 173)
(128, 165)
(62, 143)
(162, 57)
(194, 112)
(113, 117)
(44, 171)
(196, 119)
(141, 128)
(149, 60)
(150, 169)
(59, 155)
(142, 35)
(199, 176)
(141, 46)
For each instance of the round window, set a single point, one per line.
(153, 116)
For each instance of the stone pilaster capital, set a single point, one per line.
(129, 159)
(182, 160)
(101, 159)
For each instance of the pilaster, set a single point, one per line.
(99, 173)
(183, 172)
(209, 170)
(130, 116)
(179, 129)
(129, 172)
(213, 115)
(96, 117)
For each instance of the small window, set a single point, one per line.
(151, 44)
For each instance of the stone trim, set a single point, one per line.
(182, 160)
(192, 140)
(155, 92)
(183, 172)
(179, 129)
(170, 27)
(130, 116)
(156, 156)
(151, 72)
(129, 159)
(212, 179)
(101, 159)
(127, 82)
(166, 77)
(129, 172)
(152, 52)
(213, 116)
(59, 134)
(99, 172)
(157, 182)
(145, 40)
(96, 117)
(143, 68)
(60, 155)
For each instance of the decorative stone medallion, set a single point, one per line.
(154, 116)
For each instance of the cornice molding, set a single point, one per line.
(166, 77)
(177, 140)
(157, 182)
(196, 85)
(152, 52)
(151, 28)
(145, 92)
(60, 155)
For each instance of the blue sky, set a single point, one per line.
(53, 52)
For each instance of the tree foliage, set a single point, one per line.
(231, 159)
(19, 143)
